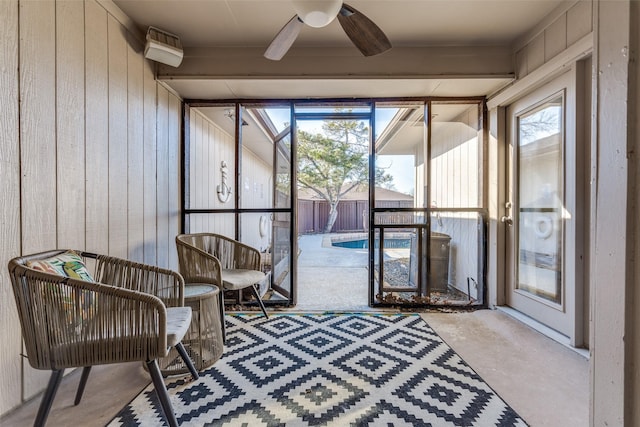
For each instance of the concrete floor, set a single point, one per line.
(324, 273)
(545, 382)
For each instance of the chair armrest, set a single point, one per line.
(163, 283)
(232, 253)
(246, 257)
(68, 322)
(197, 265)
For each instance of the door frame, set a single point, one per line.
(571, 308)
(318, 116)
(238, 211)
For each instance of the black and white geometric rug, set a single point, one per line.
(329, 370)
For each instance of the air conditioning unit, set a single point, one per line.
(163, 47)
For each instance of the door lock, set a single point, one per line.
(506, 220)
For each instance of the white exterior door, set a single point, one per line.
(542, 212)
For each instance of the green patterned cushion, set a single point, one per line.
(67, 264)
(77, 307)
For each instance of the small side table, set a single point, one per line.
(204, 339)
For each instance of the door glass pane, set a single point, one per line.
(540, 200)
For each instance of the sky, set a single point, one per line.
(400, 167)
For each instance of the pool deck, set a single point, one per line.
(331, 278)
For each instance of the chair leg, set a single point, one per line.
(187, 360)
(257, 295)
(83, 382)
(161, 391)
(47, 399)
(222, 322)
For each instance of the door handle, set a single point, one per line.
(506, 220)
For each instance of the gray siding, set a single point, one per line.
(78, 165)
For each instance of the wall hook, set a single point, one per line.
(223, 190)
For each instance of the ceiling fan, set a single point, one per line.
(364, 34)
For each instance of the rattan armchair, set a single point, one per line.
(131, 312)
(216, 259)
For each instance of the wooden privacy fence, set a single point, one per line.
(353, 215)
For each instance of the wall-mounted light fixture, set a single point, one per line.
(163, 47)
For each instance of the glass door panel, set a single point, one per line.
(541, 214)
(540, 201)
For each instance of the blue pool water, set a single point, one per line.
(364, 244)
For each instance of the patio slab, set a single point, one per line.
(330, 278)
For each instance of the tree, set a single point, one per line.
(540, 124)
(335, 162)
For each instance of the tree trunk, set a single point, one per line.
(333, 214)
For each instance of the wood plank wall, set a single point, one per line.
(568, 28)
(37, 140)
(90, 151)
(10, 362)
(210, 145)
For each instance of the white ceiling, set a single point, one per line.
(407, 23)
(334, 88)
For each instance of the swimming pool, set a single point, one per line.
(364, 244)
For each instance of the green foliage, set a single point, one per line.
(335, 162)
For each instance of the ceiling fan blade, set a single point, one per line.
(284, 39)
(364, 34)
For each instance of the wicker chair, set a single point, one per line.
(120, 317)
(212, 258)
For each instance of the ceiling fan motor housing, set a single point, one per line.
(317, 13)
